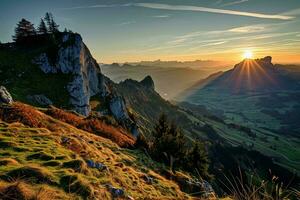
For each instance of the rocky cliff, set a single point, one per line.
(59, 70)
(73, 57)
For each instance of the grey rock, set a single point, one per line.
(40, 99)
(97, 165)
(116, 192)
(43, 62)
(76, 59)
(118, 108)
(5, 96)
(148, 179)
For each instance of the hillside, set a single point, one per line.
(261, 96)
(55, 160)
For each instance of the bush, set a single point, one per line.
(94, 125)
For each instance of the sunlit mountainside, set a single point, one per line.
(152, 100)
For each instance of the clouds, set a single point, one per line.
(160, 6)
(210, 10)
(161, 16)
(234, 3)
(248, 29)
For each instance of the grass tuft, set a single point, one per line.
(8, 161)
(73, 183)
(41, 156)
(33, 174)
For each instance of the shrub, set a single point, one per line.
(25, 114)
(94, 125)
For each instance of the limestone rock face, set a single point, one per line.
(5, 96)
(118, 108)
(74, 58)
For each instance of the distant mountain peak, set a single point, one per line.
(252, 75)
(259, 62)
(148, 82)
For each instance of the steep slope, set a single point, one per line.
(68, 163)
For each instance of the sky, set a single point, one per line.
(135, 30)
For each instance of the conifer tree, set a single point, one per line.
(198, 160)
(52, 26)
(24, 29)
(42, 29)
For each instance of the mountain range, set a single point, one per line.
(69, 131)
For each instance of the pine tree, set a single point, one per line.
(169, 142)
(24, 29)
(161, 127)
(47, 18)
(198, 160)
(52, 26)
(42, 29)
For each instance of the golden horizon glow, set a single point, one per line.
(248, 54)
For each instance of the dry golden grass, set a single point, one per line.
(67, 143)
(94, 125)
(28, 115)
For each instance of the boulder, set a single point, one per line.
(5, 96)
(39, 99)
(116, 192)
(97, 165)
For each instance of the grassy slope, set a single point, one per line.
(44, 150)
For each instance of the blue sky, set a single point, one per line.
(121, 30)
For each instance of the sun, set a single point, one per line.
(248, 54)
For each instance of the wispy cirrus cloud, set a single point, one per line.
(210, 10)
(127, 23)
(97, 6)
(234, 3)
(161, 16)
(160, 6)
(248, 29)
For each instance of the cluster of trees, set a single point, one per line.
(25, 28)
(170, 146)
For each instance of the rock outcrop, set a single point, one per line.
(5, 96)
(74, 58)
(148, 82)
